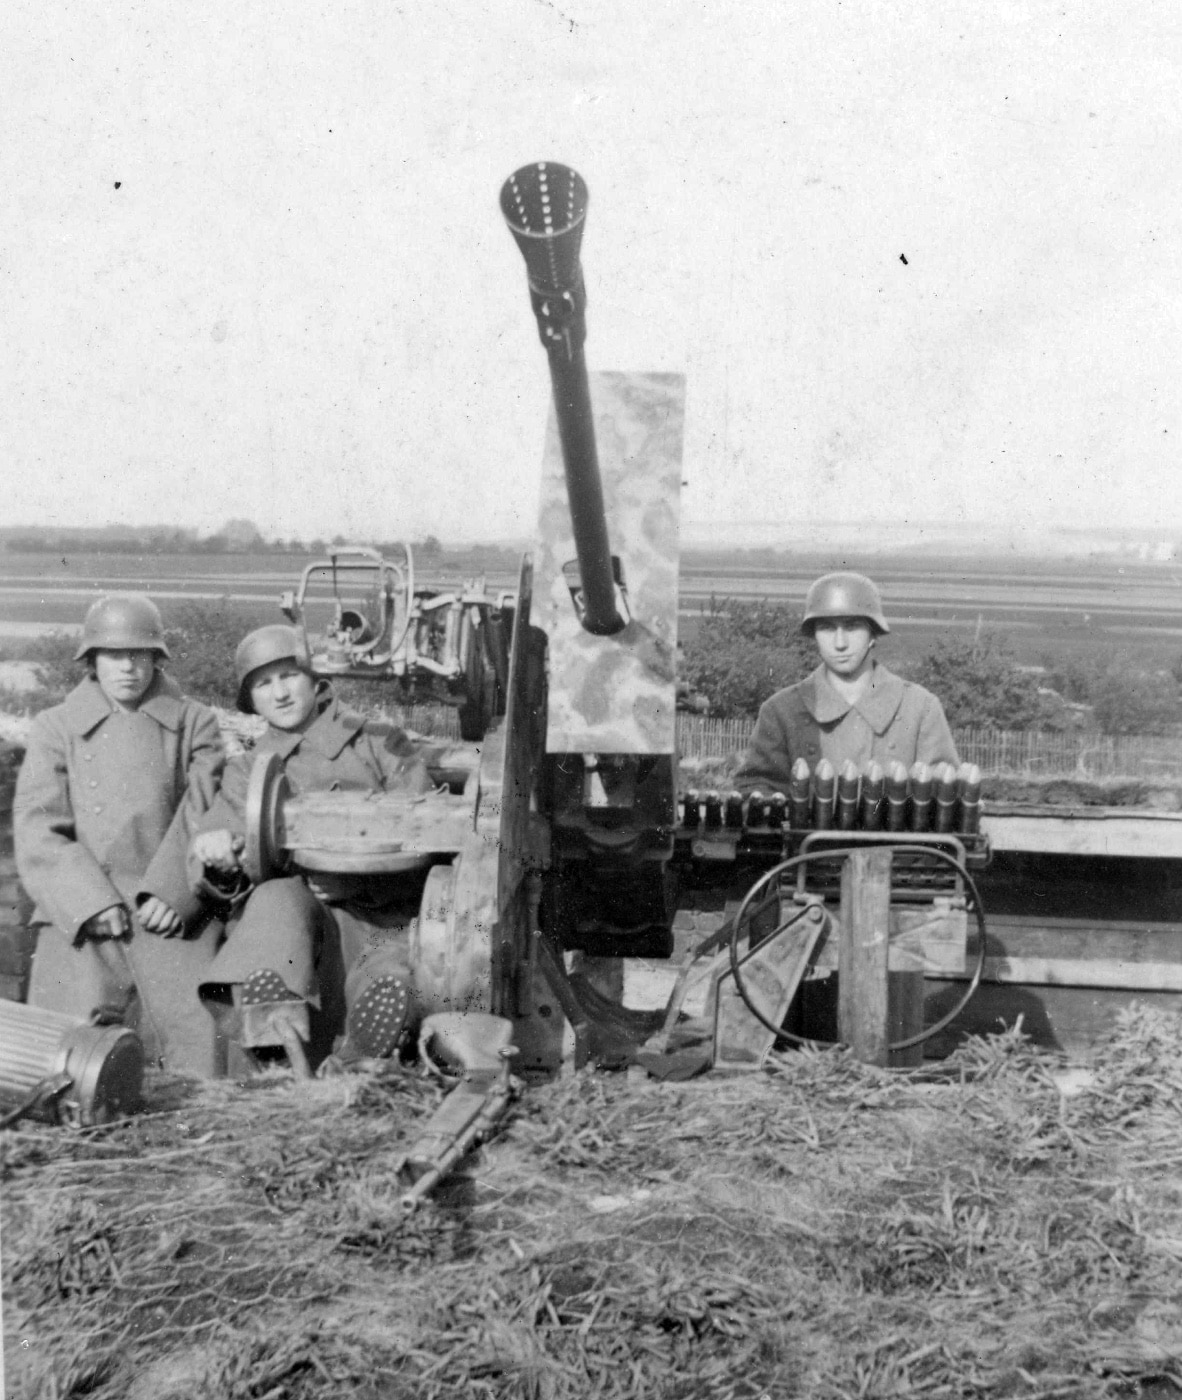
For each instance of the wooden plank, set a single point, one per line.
(1103, 831)
(862, 953)
(1125, 955)
(1101, 973)
(1129, 940)
(1074, 1020)
(905, 996)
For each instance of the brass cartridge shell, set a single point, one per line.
(799, 813)
(923, 789)
(873, 795)
(896, 797)
(824, 795)
(945, 797)
(849, 785)
(968, 788)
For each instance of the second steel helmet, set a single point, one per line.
(275, 642)
(844, 595)
(122, 622)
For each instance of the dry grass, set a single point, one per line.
(822, 1230)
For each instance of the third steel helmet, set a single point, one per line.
(122, 622)
(844, 595)
(275, 642)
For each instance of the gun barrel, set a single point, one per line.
(545, 205)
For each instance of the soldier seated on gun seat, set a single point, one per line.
(851, 706)
(308, 959)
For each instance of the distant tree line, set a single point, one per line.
(241, 537)
(742, 652)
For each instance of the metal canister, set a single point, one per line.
(104, 1064)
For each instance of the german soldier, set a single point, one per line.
(112, 784)
(307, 957)
(851, 706)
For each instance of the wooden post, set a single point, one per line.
(862, 1000)
(905, 994)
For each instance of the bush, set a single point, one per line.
(202, 637)
(981, 686)
(53, 655)
(742, 653)
(1127, 696)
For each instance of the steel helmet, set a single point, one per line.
(275, 642)
(844, 595)
(122, 622)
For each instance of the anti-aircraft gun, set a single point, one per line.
(555, 849)
(553, 829)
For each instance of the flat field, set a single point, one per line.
(1047, 609)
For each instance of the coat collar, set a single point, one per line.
(878, 705)
(329, 732)
(86, 706)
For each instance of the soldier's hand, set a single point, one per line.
(107, 923)
(219, 850)
(159, 917)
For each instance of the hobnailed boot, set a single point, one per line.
(273, 1016)
(376, 1016)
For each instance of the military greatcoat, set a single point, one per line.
(893, 720)
(106, 801)
(314, 940)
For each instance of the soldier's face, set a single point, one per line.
(844, 644)
(124, 676)
(283, 694)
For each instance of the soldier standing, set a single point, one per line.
(851, 707)
(112, 784)
(307, 957)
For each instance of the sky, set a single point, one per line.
(918, 262)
